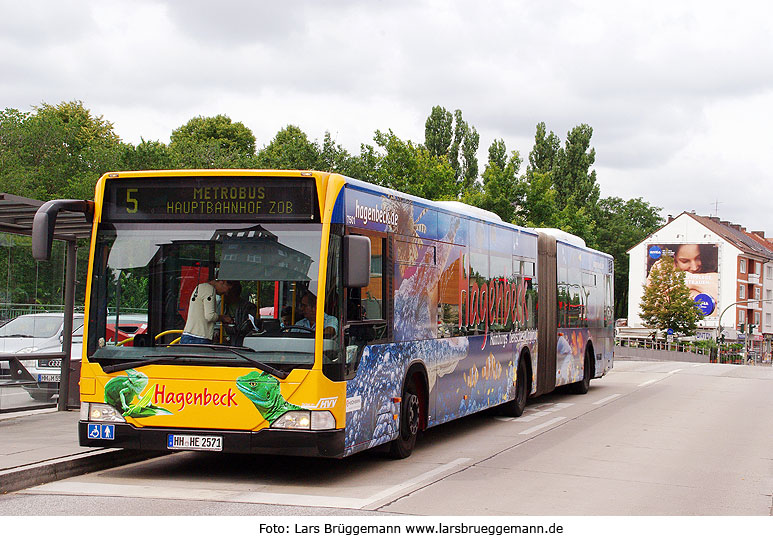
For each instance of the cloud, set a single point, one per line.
(676, 93)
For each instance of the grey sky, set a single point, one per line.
(679, 94)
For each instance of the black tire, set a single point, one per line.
(581, 387)
(515, 407)
(410, 419)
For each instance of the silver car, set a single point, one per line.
(39, 333)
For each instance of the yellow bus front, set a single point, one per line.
(212, 320)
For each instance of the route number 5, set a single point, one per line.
(131, 200)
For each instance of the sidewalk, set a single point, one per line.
(41, 446)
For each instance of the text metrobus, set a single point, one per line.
(431, 310)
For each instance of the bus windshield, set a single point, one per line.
(158, 269)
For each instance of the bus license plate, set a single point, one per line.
(48, 378)
(196, 443)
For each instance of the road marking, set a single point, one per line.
(168, 491)
(650, 382)
(543, 425)
(698, 365)
(674, 371)
(607, 399)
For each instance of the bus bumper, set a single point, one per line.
(302, 443)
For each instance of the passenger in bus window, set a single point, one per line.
(203, 313)
(286, 316)
(239, 309)
(309, 310)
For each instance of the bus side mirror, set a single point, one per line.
(356, 261)
(45, 221)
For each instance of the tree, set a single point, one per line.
(56, 151)
(438, 131)
(452, 137)
(211, 142)
(620, 225)
(410, 168)
(290, 149)
(542, 157)
(231, 137)
(575, 182)
(666, 302)
(502, 191)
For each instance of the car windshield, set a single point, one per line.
(38, 326)
(236, 285)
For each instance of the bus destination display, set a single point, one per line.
(211, 198)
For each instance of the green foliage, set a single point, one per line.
(666, 302)
(60, 152)
(502, 191)
(290, 149)
(621, 225)
(231, 137)
(451, 137)
(410, 168)
(53, 152)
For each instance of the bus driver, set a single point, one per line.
(309, 310)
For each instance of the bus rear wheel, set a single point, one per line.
(581, 387)
(410, 415)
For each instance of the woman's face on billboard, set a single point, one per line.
(688, 258)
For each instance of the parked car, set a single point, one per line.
(42, 333)
(39, 333)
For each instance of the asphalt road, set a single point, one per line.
(649, 439)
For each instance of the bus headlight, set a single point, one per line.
(101, 412)
(306, 420)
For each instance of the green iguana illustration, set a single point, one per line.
(263, 390)
(121, 391)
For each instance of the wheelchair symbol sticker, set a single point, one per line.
(94, 432)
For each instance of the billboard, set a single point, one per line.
(700, 262)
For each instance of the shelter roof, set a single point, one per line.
(17, 214)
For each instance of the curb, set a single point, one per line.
(22, 477)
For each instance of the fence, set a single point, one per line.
(661, 345)
(10, 311)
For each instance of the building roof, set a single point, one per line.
(746, 242)
(17, 214)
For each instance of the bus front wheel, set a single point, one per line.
(410, 414)
(515, 407)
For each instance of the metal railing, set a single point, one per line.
(660, 345)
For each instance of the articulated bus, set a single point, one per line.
(431, 310)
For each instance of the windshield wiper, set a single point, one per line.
(175, 359)
(171, 359)
(281, 374)
(17, 335)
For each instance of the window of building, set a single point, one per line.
(768, 320)
(757, 268)
(743, 266)
(769, 294)
(741, 317)
(769, 272)
(757, 316)
(757, 293)
(742, 292)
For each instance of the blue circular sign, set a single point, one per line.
(705, 303)
(656, 252)
(670, 332)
